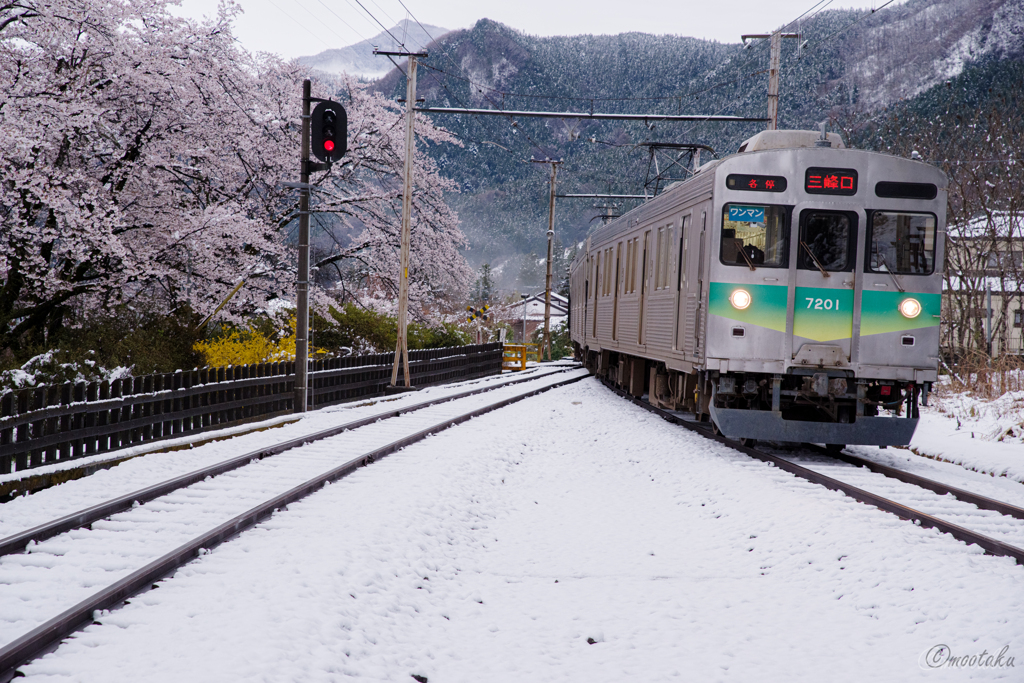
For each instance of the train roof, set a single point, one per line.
(790, 139)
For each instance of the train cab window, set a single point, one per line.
(755, 235)
(826, 241)
(901, 243)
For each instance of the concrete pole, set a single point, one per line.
(547, 283)
(302, 280)
(773, 80)
(402, 345)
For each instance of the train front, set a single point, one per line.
(824, 295)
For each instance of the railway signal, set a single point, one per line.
(329, 131)
(325, 134)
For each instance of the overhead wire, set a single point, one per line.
(300, 24)
(386, 30)
(354, 29)
(851, 24)
(440, 82)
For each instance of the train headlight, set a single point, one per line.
(740, 299)
(910, 308)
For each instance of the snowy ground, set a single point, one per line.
(570, 537)
(28, 511)
(984, 436)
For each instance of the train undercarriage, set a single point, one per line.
(805, 405)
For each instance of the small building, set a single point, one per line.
(533, 307)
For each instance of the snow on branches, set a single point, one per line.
(142, 157)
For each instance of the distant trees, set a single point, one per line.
(141, 163)
(976, 135)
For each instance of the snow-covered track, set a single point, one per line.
(983, 502)
(81, 518)
(990, 545)
(48, 635)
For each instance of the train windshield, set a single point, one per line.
(901, 243)
(825, 241)
(755, 235)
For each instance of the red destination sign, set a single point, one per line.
(840, 181)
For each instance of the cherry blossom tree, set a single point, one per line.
(142, 158)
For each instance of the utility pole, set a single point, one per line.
(773, 72)
(402, 344)
(551, 237)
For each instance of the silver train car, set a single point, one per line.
(789, 292)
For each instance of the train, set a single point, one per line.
(788, 292)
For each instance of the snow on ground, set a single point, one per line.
(152, 468)
(980, 435)
(569, 537)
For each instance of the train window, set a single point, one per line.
(755, 235)
(901, 243)
(826, 240)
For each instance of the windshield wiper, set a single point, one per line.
(894, 280)
(815, 259)
(745, 257)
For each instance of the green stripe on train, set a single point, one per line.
(880, 312)
(823, 314)
(767, 304)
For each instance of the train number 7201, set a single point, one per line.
(822, 304)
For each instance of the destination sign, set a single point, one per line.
(840, 181)
(755, 183)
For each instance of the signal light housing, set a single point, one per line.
(328, 131)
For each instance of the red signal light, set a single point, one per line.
(329, 145)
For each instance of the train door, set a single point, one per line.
(643, 288)
(615, 293)
(824, 298)
(597, 290)
(900, 300)
(698, 316)
(681, 288)
(587, 312)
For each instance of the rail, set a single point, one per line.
(57, 423)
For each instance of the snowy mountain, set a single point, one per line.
(856, 65)
(359, 60)
(904, 51)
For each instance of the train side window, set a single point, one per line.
(901, 243)
(755, 235)
(829, 236)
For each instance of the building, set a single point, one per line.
(983, 296)
(533, 306)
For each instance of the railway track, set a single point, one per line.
(995, 526)
(56, 577)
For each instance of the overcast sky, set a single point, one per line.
(293, 28)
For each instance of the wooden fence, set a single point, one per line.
(47, 424)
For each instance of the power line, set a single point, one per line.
(386, 30)
(852, 23)
(343, 21)
(301, 25)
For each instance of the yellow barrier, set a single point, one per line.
(516, 355)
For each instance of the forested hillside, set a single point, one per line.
(853, 67)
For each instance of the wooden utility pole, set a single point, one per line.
(551, 237)
(402, 344)
(774, 63)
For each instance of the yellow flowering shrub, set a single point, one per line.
(248, 346)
